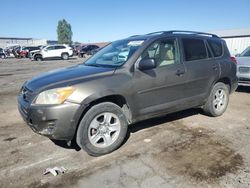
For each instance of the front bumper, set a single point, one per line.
(244, 79)
(53, 121)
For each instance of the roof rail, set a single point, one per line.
(184, 32)
(157, 32)
(134, 35)
(191, 32)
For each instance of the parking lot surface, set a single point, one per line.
(184, 149)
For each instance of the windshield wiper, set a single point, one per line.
(101, 65)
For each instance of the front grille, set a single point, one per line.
(244, 69)
(26, 94)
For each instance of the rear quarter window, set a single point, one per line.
(216, 47)
(194, 49)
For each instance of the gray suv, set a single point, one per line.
(130, 80)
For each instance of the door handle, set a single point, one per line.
(180, 72)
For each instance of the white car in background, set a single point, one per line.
(54, 51)
(243, 67)
(31, 53)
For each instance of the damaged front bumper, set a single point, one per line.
(53, 121)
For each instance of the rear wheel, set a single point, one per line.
(2, 56)
(65, 56)
(218, 100)
(102, 129)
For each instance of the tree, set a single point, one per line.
(64, 32)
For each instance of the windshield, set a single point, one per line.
(246, 52)
(115, 54)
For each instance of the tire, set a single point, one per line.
(98, 136)
(3, 56)
(38, 58)
(217, 101)
(65, 56)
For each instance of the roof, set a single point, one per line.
(172, 33)
(233, 33)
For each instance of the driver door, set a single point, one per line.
(48, 52)
(162, 88)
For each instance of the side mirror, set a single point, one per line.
(146, 64)
(45, 50)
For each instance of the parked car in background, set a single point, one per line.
(53, 51)
(16, 51)
(243, 67)
(2, 53)
(10, 51)
(78, 49)
(87, 50)
(95, 51)
(31, 53)
(163, 72)
(75, 47)
(24, 52)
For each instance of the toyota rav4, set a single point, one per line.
(161, 73)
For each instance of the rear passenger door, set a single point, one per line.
(202, 69)
(59, 50)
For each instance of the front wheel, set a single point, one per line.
(218, 100)
(102, 129)
(38, 58)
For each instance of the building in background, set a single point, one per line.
(237, 39)
(13, 41)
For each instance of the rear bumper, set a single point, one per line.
(53, 121)
(234, 84)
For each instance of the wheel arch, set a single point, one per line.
(114, 98)
(64, 53)
(226, 81)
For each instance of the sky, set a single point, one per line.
(108, 20)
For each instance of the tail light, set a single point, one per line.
(234, 60)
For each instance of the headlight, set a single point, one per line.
(54, 96)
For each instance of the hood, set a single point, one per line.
(65, 77)
(243, 60)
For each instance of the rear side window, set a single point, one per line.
(59, 47)
(216, 47)
(194, 49)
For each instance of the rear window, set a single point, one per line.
(194, 49)
(216, 47)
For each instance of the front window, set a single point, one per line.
(115, 54)
(50, 48)
(164, 52)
